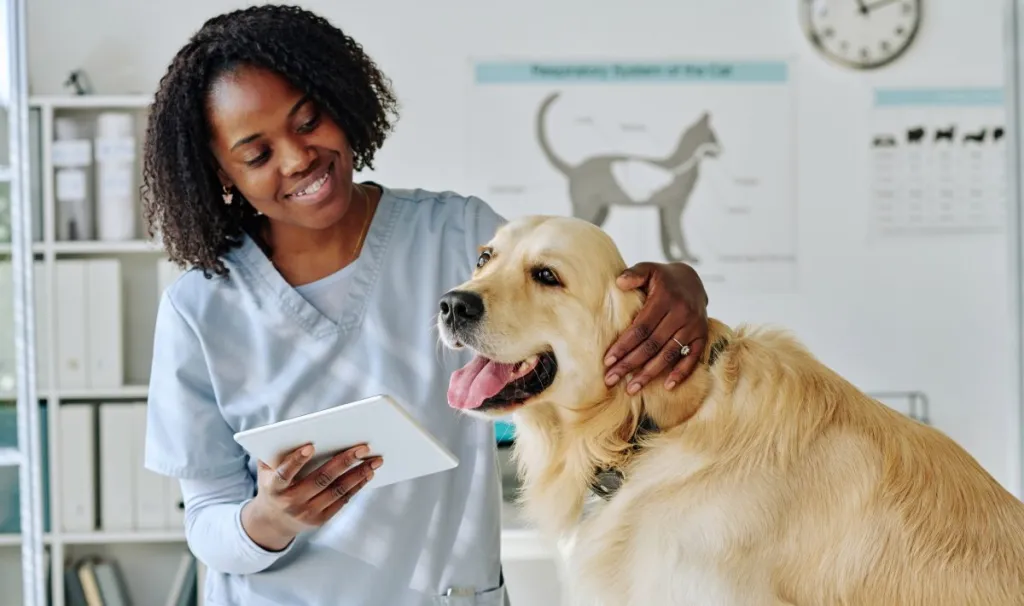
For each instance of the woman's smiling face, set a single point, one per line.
(288, 158)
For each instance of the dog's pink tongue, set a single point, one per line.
(477, 381)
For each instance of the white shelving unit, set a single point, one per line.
(148, 559)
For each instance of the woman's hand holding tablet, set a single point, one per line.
(378, 422)
(286, 505)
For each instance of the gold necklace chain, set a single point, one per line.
(366, 222)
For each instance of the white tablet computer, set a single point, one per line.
(407, 449)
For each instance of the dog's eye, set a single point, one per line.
(545, 276)
(483, 258)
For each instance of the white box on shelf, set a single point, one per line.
(117, 466)
(104, 317)
(150, 487)
(67, 153)
(77, 464)
(72, 157)
(70, 324)
(116, 195)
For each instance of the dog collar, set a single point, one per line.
(608, 481)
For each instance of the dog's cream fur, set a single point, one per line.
(772, 479)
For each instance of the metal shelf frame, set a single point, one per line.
(27, 456)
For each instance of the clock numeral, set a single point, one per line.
(907, 8)
(864, 53)
(885, 46)
(828, 32)
(900, 31)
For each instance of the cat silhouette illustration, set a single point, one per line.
(598, 183)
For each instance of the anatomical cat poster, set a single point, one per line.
(688, 161)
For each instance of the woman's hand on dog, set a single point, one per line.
(285, 506)
(675, 312)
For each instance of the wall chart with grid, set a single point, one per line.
(937, 162)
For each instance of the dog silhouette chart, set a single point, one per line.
(918, 135)
(594, 186)
(976, 137)
(945, 133)
(884, 141)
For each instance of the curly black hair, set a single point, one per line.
(181, 194)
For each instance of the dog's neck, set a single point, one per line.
(560, 450)
(670, 408)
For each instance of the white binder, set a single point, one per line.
(117, 466)
(70, 324)
(104, 333)
(77, 444)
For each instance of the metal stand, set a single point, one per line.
(1014, 98)
(27, 455)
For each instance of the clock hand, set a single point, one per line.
(867, 8)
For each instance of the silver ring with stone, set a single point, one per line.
(684, 350)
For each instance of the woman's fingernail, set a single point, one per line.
(376, 463)
(361, 452)
(610, 360)
(632, 389)
(306, 450)
(611, 380)
(670, 385)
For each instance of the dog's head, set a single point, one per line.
(539, 312)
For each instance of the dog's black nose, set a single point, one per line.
(461, 306)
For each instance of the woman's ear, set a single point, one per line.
(225, 181)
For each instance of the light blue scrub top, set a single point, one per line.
(246, 350)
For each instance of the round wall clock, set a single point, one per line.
(861, 34)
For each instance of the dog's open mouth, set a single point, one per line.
(487, 385)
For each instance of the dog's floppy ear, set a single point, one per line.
(621, 306)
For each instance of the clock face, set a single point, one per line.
(861, 34)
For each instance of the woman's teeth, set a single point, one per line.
(315, 186)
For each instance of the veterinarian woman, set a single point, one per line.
(307, 291)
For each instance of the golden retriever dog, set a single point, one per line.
(764, 479)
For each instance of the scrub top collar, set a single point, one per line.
(271, 288)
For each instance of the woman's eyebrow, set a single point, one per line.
(250, 138)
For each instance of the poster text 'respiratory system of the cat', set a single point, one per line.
(676, 160)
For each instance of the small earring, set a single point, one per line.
(229, 197)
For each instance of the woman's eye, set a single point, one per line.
(256, 161)
(309, 125)
(546, 277)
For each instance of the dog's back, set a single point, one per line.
(872, 507)
(898, 513)
(790, 486)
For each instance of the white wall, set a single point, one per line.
(927, 314)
